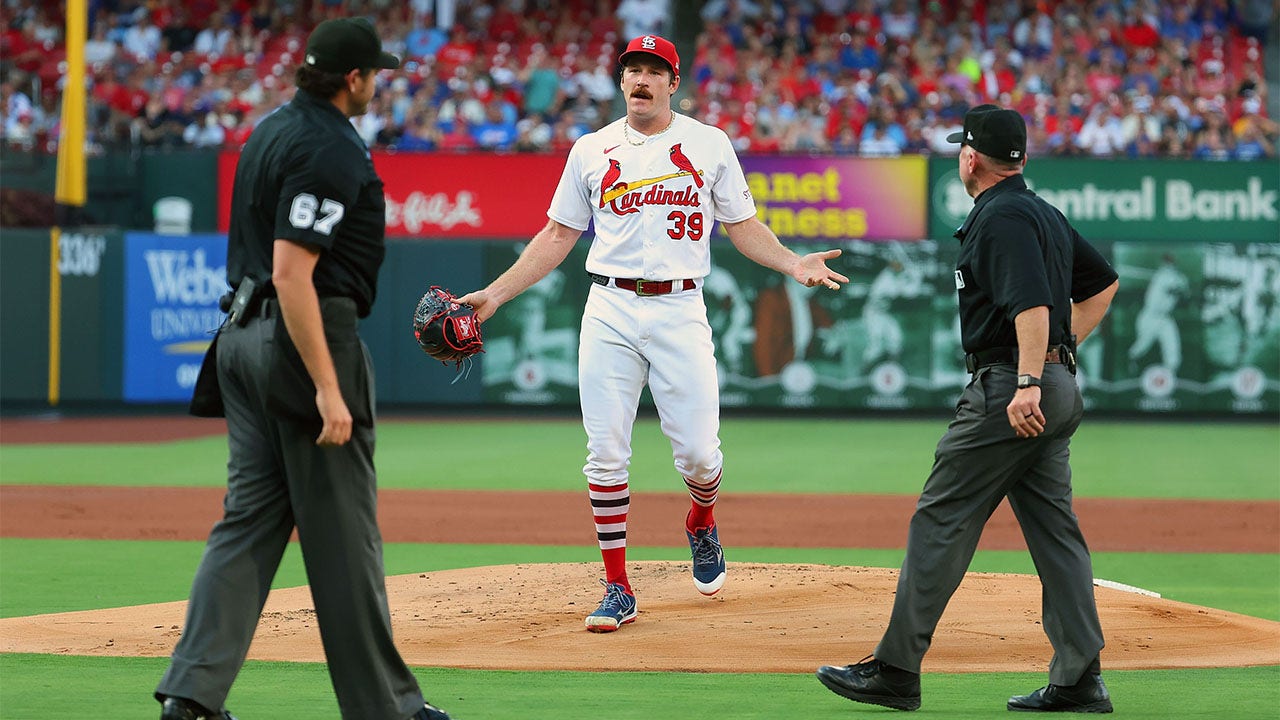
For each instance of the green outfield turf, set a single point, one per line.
(1110, 459)
(119, 689)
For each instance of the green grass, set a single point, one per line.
(829, 455)
(1112, 459)
(120, 689)
(45, 576)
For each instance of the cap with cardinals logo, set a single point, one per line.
(656, 46)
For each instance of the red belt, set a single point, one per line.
(646, 288)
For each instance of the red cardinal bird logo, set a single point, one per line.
(679, 160)
(610, 177)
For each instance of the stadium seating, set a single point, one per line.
(779, 77)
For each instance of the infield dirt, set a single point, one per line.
(769, 618)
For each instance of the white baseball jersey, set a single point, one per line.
(654, 204)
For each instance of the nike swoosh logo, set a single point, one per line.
(609, 150)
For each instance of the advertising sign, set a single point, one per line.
(430, 195)
(172, 286)
(778, 343)
(485, 195)
(531, 345)
(1164, 201)
(1195, 327)
(781, 344)
(834, 198)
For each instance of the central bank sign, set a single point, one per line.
(1168, 200)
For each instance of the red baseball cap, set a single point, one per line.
(653, 45)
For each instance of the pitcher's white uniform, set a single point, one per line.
(654, 206)
(654, 200)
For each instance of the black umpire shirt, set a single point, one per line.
(1018, 252)
(305, 175)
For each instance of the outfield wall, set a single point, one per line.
(1195, 328)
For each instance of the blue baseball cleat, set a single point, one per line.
(616, 609)
(708, 560)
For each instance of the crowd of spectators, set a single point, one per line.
(1102, 78)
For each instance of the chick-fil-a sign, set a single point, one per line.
(481, 195)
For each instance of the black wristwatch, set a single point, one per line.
(1026, 381)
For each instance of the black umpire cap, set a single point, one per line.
(993, 131)
(346, 44)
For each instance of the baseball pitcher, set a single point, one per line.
(654, 183)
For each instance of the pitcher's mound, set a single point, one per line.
(768, 618)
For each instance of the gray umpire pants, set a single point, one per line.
(980, 461)
(278, 478)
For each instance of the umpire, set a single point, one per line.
(296, 385)
(1029, 287)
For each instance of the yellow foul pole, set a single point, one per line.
(71, 169)
(55, 317)
(70, 190)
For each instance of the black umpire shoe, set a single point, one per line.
(1087, 696)
(176, 708)
(430, 712)
(874, 682)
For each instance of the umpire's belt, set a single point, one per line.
(644, 287)
(1009, 356)
(269, 307)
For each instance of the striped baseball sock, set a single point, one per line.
(609, 505)
(703, 503)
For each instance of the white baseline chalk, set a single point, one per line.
(1125, 588)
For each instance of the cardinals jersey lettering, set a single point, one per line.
(654, 205)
